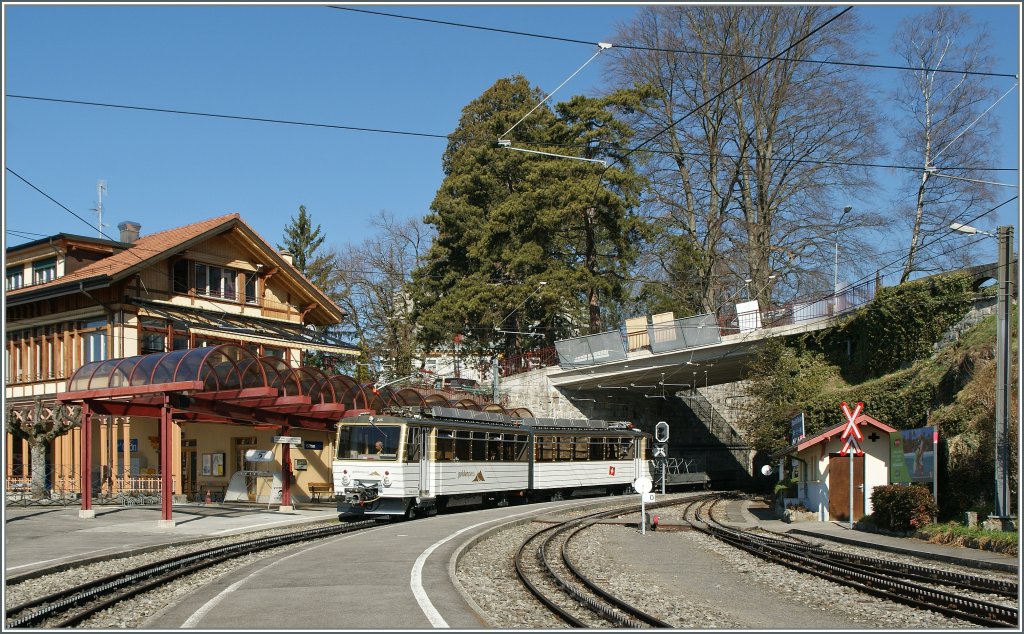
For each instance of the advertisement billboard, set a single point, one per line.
(912, 455)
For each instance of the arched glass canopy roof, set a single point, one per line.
(227, 383)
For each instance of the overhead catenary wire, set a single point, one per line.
(654, 49)
(452, 137)
(601, 48)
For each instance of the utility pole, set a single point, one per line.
(101, 186)
(1004, 237)
(1003, 305)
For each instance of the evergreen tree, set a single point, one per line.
(302, 240)
(508, 220)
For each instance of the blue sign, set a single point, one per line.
(133, 445)
(313, 444)
(796, 428)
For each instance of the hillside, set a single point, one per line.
(917, 356)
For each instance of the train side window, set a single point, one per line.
(412, 444)
(522, 449)
(479, 446)
(545, 448)
(596, 448)
(445, 444)
(627, 449)
(462, 445)
(565, 448)
(581, 448)
(495, 443)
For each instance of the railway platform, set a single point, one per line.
(753, 513)
(50, 537)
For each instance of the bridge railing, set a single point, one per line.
(707, 329)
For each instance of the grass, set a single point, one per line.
(957, 534)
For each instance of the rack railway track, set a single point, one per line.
(544, 565)
(895, 581)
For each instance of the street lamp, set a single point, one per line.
(835, 279)
(1004, 235)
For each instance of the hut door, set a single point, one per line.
(839, 487)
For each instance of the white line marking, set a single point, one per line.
(197, 616)
(416, 578)
(249, 527)
(46, 561)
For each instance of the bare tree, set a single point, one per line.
(40, 424)
(368, 281)
(942, 128)
(744, 162)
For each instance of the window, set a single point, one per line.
(153, 337)
(215, 281)
(15, 277)
(250, 289)
(94, 346)
(179, 277)
(44, 271)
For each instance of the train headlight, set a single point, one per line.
(345, 478)
(387, 479)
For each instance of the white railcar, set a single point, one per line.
(419, 462)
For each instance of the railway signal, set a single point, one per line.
(643, 486)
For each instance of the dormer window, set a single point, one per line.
(44, 271)
(209, 280)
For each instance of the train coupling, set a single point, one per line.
(361, 492)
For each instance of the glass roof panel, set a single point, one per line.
(167, 365)
(142, 373)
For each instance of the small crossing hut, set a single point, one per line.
(823, 468)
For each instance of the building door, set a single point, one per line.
(250, 468)
(189, 468)
(839, 487)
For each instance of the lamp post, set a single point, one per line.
(835, 277)
(1004, 236)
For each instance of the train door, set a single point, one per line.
(426, 473)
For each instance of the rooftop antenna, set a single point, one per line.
(101, 187)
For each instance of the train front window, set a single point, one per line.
(369, 442)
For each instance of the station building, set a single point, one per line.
(73, 300)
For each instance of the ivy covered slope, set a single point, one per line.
(889, 356)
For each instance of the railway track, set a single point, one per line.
(73, 606)
(544, 564)
(904, 583)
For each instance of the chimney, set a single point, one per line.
(287, 257)
(129, 231)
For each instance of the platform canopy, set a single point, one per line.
(229, 384)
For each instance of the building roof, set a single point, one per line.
(827, 435)
(153, 248)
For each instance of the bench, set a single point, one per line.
(318, 488)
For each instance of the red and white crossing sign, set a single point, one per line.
(851, 445)
(851, 425)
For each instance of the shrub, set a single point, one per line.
(901, 507)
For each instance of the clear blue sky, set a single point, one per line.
(304, 63)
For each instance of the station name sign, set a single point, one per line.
(287, 440)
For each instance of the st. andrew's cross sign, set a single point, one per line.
(852, 434)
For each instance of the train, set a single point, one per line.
(416, 462)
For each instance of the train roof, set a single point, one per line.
(498, 419)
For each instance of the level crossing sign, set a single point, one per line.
(852, 434)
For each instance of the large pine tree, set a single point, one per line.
(507, 220)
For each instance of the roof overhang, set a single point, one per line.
(824, 436)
